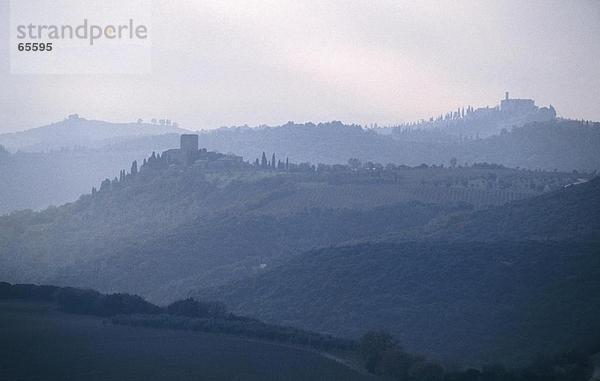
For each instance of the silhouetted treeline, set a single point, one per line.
(382, 355)
(380, 352)
(188, 314)
(194, 309)
(80, 301)
(237, 325)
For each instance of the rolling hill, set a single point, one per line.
(560, 144)
(164, 231)
(40, 342)
(505, 283)
(80, 132)
(337, 249)
(571, 213)
(58, 162)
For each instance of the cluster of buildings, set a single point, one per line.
(480, 122)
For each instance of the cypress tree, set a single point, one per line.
(263, 160)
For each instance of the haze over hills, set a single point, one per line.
(83, 334)
(173, 226)
(55, 164)
(74, 132)
(469, 303)
(58, 162)
(476, 286)
(294, 235)
(469, 122)
(164, 230)
(349, 191)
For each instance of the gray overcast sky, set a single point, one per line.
(222, 63)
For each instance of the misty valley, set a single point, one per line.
(300, 190)
(421, 272)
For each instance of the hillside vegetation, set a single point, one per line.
(64, 346)
(471, 303)
(58, 162)
(568, 214)
(501, 283)
(244, 232)
(166, 229)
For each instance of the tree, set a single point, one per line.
(105, 185)
(263, 160)
(134, 168)
(372, 345)
(273, 164)
(354, 163)
(195, 309)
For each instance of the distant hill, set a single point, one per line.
(164, 231)
(564, 145)
(249, 232)
(512, 281)
(36, 180)
(57, 163)
(83, 152)
(468, 123)
(557, 144)
(80, 132)
(568, 214)
(472, 303)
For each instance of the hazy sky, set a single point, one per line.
(222, 63)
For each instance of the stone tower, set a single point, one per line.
(188, 143)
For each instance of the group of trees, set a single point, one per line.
(470, 122)
(237, 325)
(162, 122)
(272, 164)
(80, 301)
(369, 171)
(195, 309)
(382, 355)
(380, 352)
(188, 314)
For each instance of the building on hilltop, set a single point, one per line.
(189, 153)
(188, 142)
(474, 123)
(525, 110)
(517, 105)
